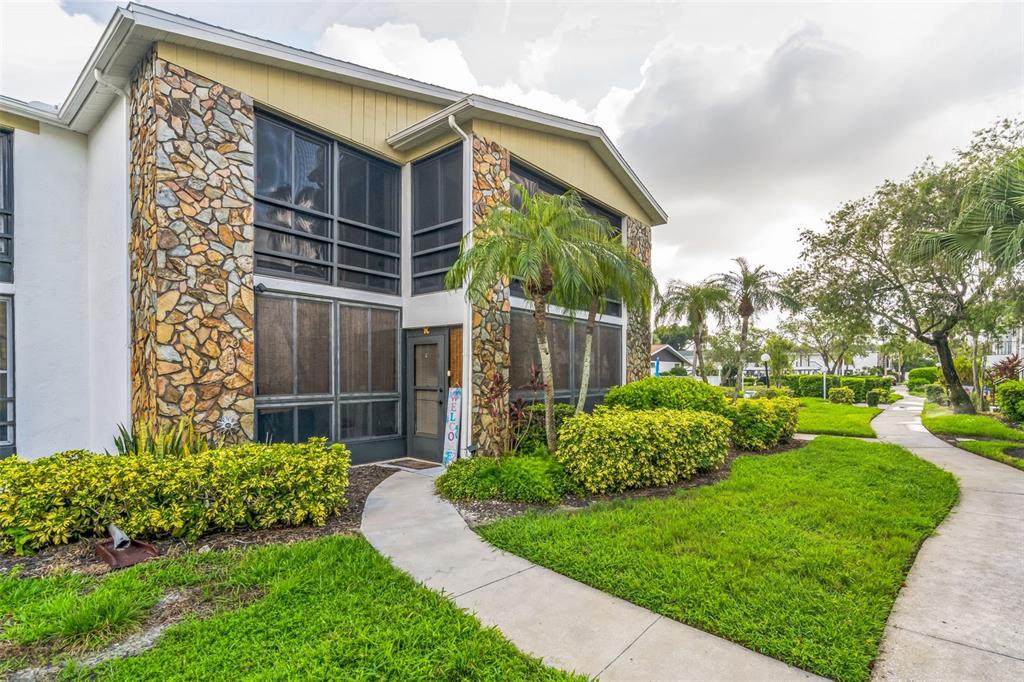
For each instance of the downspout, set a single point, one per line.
(102, 79)
(467, 330)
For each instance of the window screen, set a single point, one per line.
(6, 377)
(436, 218)
(6, 206)
(303, 232)
(325, 368)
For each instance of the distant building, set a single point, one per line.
(1005, 346)
(664, 357)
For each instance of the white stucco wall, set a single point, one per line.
(51, 319)
(70, 287)
(107, 250)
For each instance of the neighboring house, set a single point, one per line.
(806, 362)
(1009, 344)
(256, 237)
(664, 358)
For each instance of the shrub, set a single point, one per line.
(931, 374)
(177, 440)
(841, 395)
(1010, 398)
(856, 384)
(875, 396)
(935, 393)
(917, 384)
(526, 478)
(75, 494)
(810, 385)
(617, 449)
(762, 424)
(674, 393)
(891, 397)
(774, 392)
(532, 436)
(792, 382)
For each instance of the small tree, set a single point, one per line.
(698, 304)
(780, 356)
(546, 239)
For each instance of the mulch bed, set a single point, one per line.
(80, 557)
(481, 512)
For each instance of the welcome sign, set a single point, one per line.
(451, 426)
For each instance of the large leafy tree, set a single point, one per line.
(698, 304)
(544, 241)
(612, 272)
(870, 254)
(678, 336)
(753, 290)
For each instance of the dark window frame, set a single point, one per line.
(524, 174)
(8, 447)
(337, 398)
(6, 205)
(337, 245)
(426, 282)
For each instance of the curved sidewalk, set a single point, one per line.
(568, 624)
(960, 615)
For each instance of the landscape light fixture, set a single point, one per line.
(765, 358)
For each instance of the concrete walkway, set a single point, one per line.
(568, 624)
(960, 615)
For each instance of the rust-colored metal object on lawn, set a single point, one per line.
(136, 552)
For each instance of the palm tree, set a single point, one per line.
(752, 290)
(697, 304)
(991, 220)
(544, 240)
(614, 273)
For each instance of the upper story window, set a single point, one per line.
(534, 182)
(324, 211)
(436, 218)
(6, 206)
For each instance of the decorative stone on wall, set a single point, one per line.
(191, 250)
(638, 323)
(491, 321)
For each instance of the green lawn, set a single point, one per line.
(995, 449)
(330, 608)
(939, 419)
(820, 416)
(798, 555)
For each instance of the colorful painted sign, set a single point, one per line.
(451, 426)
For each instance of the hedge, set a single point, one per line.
(532, 436)
(856, 384)
(1010, 398)
(810, 385)
(841, 394)
(762, 423)
(932, 374)
(619, 449)
(875, 396)
(936, 393)
(72, 495)
(917, 384)
(675, 393)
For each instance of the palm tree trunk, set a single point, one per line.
(540, 323)
(744, 328)
(698, 351)
(588, 344)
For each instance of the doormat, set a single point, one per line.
(410, 463)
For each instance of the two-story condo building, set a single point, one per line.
(256, 237)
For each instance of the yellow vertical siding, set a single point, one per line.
(572, 162)
(360, 115)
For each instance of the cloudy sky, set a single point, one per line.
(748, 121)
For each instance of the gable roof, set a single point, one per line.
(664, 347)
(132, 30)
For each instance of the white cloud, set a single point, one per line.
(43, 49)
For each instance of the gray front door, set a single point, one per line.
(427, 363)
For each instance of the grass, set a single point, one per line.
(798, 555)
(995, 449)
(939, 419)
(330, 608)
(820, 416)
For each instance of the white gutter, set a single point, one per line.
(102, 79)
(466, 435)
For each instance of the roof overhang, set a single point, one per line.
(132, 31)
(473, 107)
(672, 351)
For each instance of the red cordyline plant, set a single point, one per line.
(1007, 369)
(511, 416)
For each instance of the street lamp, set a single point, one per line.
(765, 358)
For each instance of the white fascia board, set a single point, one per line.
(476, 106)
(16, 106)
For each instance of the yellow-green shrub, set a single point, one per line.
(841, 395)
(762, 423)
(618, 449)
(75, 494)
(674, 393)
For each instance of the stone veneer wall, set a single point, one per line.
(638, 323)
(492, 321)
(191, 248)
